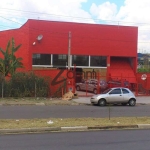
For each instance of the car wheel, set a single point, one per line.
(123, 104)
(132, 102)
(102, 102)
(77, 88)
(95, 91)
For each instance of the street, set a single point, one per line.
(93, 140)
(65, 111)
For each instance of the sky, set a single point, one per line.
(14, 13)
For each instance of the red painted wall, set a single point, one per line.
(87, 39)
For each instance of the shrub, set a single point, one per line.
(26, 85)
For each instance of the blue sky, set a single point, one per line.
(14, 13)
(86, 6)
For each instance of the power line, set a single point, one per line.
(11, 20)
(64, 21)
(43, 13)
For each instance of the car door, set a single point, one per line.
(115, 96)
(84, 85)
(92, 85)
(126, 95)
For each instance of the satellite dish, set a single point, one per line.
(40, 37)
(144, 76)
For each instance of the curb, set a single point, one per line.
(29, 130)
(144, 126)
(75, 128)
(113, 127)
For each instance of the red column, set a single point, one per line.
(108, 67)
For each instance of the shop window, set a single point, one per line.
(41, 59)
(79, 60)
(98, 61)
(62, 57)
(60, 60)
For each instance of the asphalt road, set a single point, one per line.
(30, 112)
(93, 140)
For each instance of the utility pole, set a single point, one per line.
(69, 50)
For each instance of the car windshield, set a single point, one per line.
(106, 91)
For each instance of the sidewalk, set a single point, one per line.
(140, 100)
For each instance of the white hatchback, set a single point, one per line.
(114, 96)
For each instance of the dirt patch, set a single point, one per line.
(36, 101)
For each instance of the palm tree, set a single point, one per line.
(9, 62)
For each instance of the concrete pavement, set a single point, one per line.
(140, 100)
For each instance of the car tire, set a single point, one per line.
(95, 91)
(132, 102)
(102, 102)
(78, 88)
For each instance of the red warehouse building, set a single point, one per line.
(110, 50)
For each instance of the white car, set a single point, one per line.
(114, 96)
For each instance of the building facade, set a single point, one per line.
(51, 45)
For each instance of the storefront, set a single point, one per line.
(109, 50)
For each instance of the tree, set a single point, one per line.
(9, 62)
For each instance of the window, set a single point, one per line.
(98, 61)
(62, 57)
(125, 91)
(116, 91)
(79, 60)
(60, 60)
(41, 59)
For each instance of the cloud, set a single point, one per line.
(105, 11)
(66, 10)
(136, 12)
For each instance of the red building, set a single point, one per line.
(109, 49)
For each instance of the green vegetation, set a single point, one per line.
(144, 70)
(25, 85)
(9, 62)
(19, 84)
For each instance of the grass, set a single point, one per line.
(69, 122)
